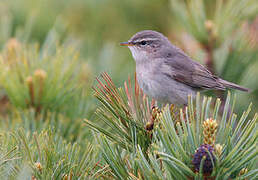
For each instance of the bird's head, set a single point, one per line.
(146, 45)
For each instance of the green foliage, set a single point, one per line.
(44, 156)
(125, 112)
(49, 79)
(45, 90)
(241, 56)
(216, 25)
(44, 93)
(225, 32)
(9, 155)
(239, 142)
(172, 141)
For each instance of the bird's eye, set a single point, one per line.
(143, 42)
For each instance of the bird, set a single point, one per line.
(166, 73)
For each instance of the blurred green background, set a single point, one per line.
(51, 51)
(101, 24)
(222, 32)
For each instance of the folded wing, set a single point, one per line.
(183, 69)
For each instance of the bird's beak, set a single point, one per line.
(127, 44)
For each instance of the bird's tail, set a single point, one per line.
(233, 86)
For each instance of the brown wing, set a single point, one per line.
(183, 69)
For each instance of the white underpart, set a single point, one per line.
(137, 54)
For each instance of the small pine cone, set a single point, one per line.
(149, 126)
(41, 74)
(243, 171)
(209, 25)
(211, 29)
(38, 166)
(209, 131)
(13, 47)
(159, 115)
(65, 177)
(155, 113)
(29, 82)
(202, 152)
(218, 149)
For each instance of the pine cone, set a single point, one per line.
(202, 152)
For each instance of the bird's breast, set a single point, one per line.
(150, 81)
(161, 87)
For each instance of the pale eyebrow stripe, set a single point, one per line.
(145, 39)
